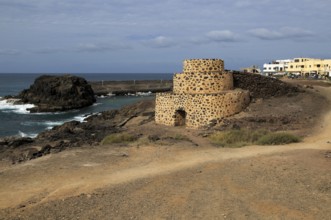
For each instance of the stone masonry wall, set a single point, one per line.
(202, 110)
(202, 83)
(202, 95)
(203, 65)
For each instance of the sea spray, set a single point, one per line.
(9, 105)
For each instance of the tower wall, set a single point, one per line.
(203, 65)
(202, 95)
(202, 110)
(202, 83)
(202, 76)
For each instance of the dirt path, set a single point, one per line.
(66, 176)
(53, 177)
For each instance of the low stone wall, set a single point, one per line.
(202, 83)
(198, 110)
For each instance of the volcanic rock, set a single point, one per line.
(58, 93)
(262, 86)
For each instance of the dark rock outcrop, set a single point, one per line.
(58, 93)
(262, 86)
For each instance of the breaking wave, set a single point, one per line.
(9, 106)
(31, 135)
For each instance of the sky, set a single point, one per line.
(150, 36)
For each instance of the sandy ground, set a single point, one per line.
(175, 179)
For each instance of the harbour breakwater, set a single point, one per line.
(104, 88)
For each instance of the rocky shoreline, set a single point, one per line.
(73, 133)
(96, 127)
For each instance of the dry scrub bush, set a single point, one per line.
(244, 137)
(278, 138)
(118, 138)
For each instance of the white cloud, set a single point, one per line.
(92, 47)
(86, 48)
(283, 33)
(48, 50)
(249, 3)
(160, 42)
(222, 36)
(295, 32)
(126, 28)
(9, 52)
(266, 34)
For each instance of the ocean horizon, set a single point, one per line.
(16, 120)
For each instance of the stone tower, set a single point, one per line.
(202, 96)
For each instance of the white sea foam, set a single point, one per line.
(47, 123)
(106, 96)
(82, 118)
(22, 134)
(140, 94)
(144, 93)
(48, 113)
(9, 105)
(52, 124)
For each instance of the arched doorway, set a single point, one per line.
(180, 118)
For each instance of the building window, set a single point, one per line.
(318, 65)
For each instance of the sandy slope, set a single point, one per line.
(177, 181)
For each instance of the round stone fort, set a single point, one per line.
(203, 95)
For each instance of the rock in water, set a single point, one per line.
(58, 93)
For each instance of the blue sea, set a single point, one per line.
(15, 120)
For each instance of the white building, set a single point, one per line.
(277, 67)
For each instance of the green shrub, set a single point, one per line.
(278, 139)
(118, 138)
(244, 137)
